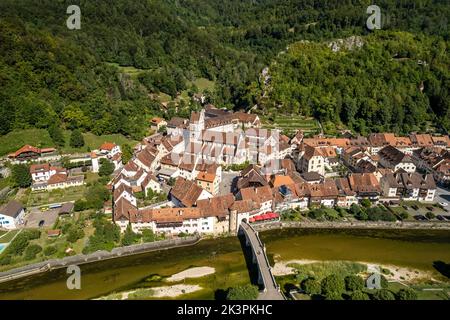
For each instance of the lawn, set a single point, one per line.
(131, 71)
(41, 139)
(18, 138)
(93, 142)
(203, 84)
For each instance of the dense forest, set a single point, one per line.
(390, 82)
(49, 74)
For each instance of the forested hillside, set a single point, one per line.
(394, 82)
(49, 74)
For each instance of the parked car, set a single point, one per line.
(441, 218)
(420, 217)
(430, 208)
(415, 207)
(447, 218)
(444, 204)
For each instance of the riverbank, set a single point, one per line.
(354, 225)
(391, 272)
(46, 266)
(157, 292)
(49, 265)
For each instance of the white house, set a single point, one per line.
(110, 149)
(11, 215)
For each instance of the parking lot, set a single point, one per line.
(36, 218)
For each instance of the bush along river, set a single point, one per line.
(207, 269)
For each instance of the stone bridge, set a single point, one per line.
(271, 290)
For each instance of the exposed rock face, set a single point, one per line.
(348, 43)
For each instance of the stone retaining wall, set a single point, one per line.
(354, 225)
(96, 256)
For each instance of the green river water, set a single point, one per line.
(416, 249)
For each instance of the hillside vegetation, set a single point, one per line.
(396, 82)
(104, 77)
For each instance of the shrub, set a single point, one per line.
(406, 294)
(311, 286)
(354, 283)
(31, 251)
(332, 284)
(333, 295)
(75, 233)
(148, 235)
(32, 234)
(5, 260)
(359, 295)
(430, 215)
(246, 292)
(50, 250)
(383, 294)
(366, 203)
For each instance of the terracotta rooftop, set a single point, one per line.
(187, 192)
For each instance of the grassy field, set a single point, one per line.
(40, 138)
(201, 83)
(131, 71)
(18, 138)
(292, 123)
(93, 142)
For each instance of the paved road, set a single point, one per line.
(271, 292)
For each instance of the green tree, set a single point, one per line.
(50, 250)
(311, 286)
(127, 153)
(31, 251)
(430, 215)
(406, 294)
(366, 203)
(383, 294)
(106, 168)
(245, 292)
(21, 175)
(333, 295)
(332, 284)
(56, 134)
(76, 139)
(359, 295)
(80, 205)
(75, 233)
(162, 129)
(354, 283)
(129, 237)
(148, 235)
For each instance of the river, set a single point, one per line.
(416, 249)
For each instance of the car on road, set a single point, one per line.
(444, 204)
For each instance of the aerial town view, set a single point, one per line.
(224, 150)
